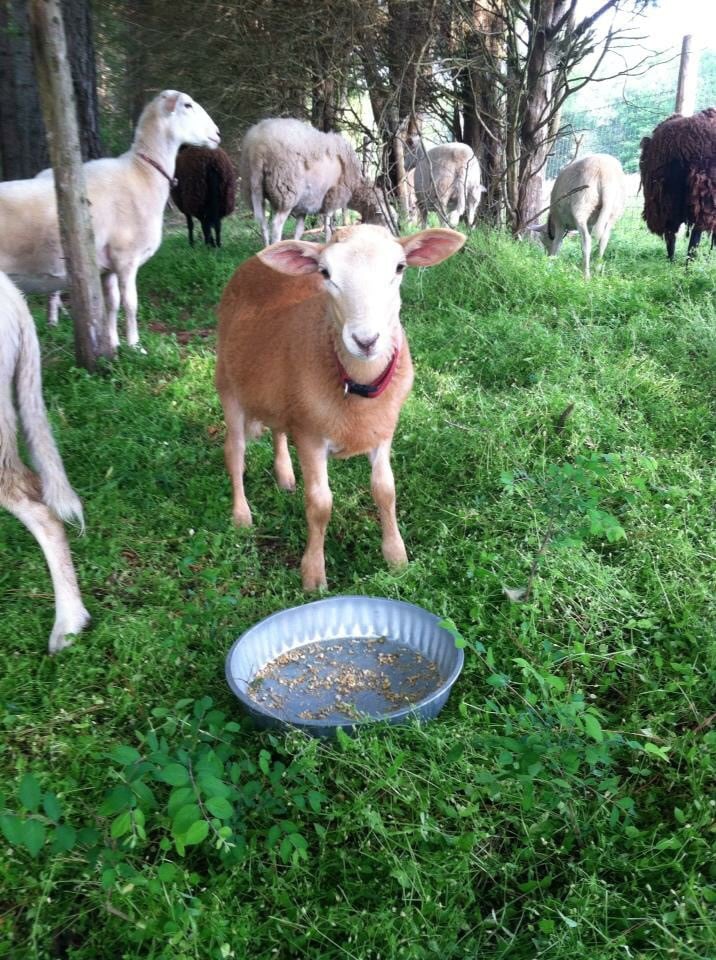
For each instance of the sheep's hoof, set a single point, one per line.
(138, 348)
(313, 576)
(242, 516)
(395, 555)
(64, 630)
(286, 482)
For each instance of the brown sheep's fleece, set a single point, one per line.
(678, 173)
(193, 169)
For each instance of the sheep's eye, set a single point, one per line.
(401, 267)
(189, 106)
(325, 273)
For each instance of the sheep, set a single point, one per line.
(39, 502)
(310, 344)
(447, 180)
(205, 189)
(127, 197)
(301, 170)
(589, 195)
(678, 175)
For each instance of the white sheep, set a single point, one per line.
(447, 180)
(300, 170)
(310, 344)
(589, 195)
(127, 197)
(39, 502)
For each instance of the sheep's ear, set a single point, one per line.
(429, 247)
(170, 98)
(293, 257)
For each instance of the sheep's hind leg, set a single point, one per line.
(279, 219)
(128, 292)
(586, 239)
(110, 288)
(694, 241)
(234, 452)
(319, 503)
(382, 487)
(670, 237)
(70, 614)
(190, 228)
(206, 229)
(283, 468)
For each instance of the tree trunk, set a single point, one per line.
(23, 144)
(54, 79)
(23, 148)
(80, 49)
(483, 103)
(537, 109)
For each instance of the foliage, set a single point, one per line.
(559, 806)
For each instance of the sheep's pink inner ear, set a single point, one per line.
(429, 247)
(170, 101)
(294, 257)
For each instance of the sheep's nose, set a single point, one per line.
(365, 345)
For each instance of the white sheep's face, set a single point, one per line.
(188, 121)
(362, 269)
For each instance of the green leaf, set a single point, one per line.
(264, 761)
(30, 793)
(593, 727)
(63, 839)
(174, 774)
(11, 827)
(211, 786)
(121, 825)
(119, 798)
(220, 807)
(33, 836)
(184, 819)
(660, 752)
(166, 872)
(179, 798)
(124, 755)
(196, 833)
(315, 799)
(51, 806)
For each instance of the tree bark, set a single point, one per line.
(58, 106)
(77, 16)
(23, 148)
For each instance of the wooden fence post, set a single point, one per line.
(688, 75)
(54, 81)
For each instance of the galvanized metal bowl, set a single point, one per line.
(342, 662)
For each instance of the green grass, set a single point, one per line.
(562, 805)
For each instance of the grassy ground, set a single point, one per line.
(560, 435)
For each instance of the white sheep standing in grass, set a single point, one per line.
(300, 170)
(589, 195)
(127, 197)
(40, 501)
(447, 180)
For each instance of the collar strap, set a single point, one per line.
(369, 390)
(157, 166)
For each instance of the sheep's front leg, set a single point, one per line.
(382, 486)
(694, 241)
(70, 614)
(313, 456)
(234, 450)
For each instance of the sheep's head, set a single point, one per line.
(367, 200)
(185, 120)
(362, 269)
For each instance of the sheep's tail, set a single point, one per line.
(56, 490)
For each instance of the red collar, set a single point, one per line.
(369, 390)
(157, 166)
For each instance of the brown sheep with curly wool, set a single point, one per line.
(678, 175)
(206, 189)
